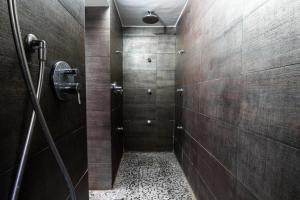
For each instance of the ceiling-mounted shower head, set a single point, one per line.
(150, 18)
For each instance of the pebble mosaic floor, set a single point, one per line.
(147, 176)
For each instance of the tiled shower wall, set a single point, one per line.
(116, 66)
(149, 63)
(98, 97)
(61, 24)
(104, 109)
(240, 106)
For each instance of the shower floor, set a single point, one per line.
(145, 176)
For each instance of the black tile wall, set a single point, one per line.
(98, 75)
(149, 63)
(60, 24)
(240, 106)
(116, 65)
(104, 108)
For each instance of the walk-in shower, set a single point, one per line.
(150, 100)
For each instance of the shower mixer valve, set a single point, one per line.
(116, 88)
(64, 83)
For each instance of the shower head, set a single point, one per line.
(150, 18)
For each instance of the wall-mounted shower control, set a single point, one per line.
(64, 81)
(181, 51)
(179, 90)
(120, 128)
(71, 88)
(116, 88)
(118, 52)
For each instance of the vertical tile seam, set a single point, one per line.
(69, 12)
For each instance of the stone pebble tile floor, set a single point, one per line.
(147, 176)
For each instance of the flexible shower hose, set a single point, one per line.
(26, 147)
(13, 14)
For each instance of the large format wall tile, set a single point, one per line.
(240, 102)
(271, 106)
(140, 78)
(75, 8)
(270, 36)
(98, 97)
(104, 107)
(133, 62)
(149, 63)
(140, 44)
(268, 168)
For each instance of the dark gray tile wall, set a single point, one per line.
(240, 106)
(61, 25)
(116, 65)
(104, 108)
(141, 44)
(98, 75)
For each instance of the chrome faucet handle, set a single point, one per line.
(65, 83)
(179, 127)
(121, 91)
(69, 88)
(74, 71)
(116, 88)
(78, 97)
(120, 128)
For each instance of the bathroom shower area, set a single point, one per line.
(207, 95)
(131, 109)
(150, 100)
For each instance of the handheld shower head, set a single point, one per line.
(150, 18)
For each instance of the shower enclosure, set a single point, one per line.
(176, 100)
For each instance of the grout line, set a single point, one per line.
(270, 69)
(186, 178)
(31, 157)
(181, 13)
(254, 133)
(255, 9)
(228, 171)
(117, 8)
(209, 153)
(203, 181)
(243, 129)
(79, 181)
(237, 179)
(70, 13)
